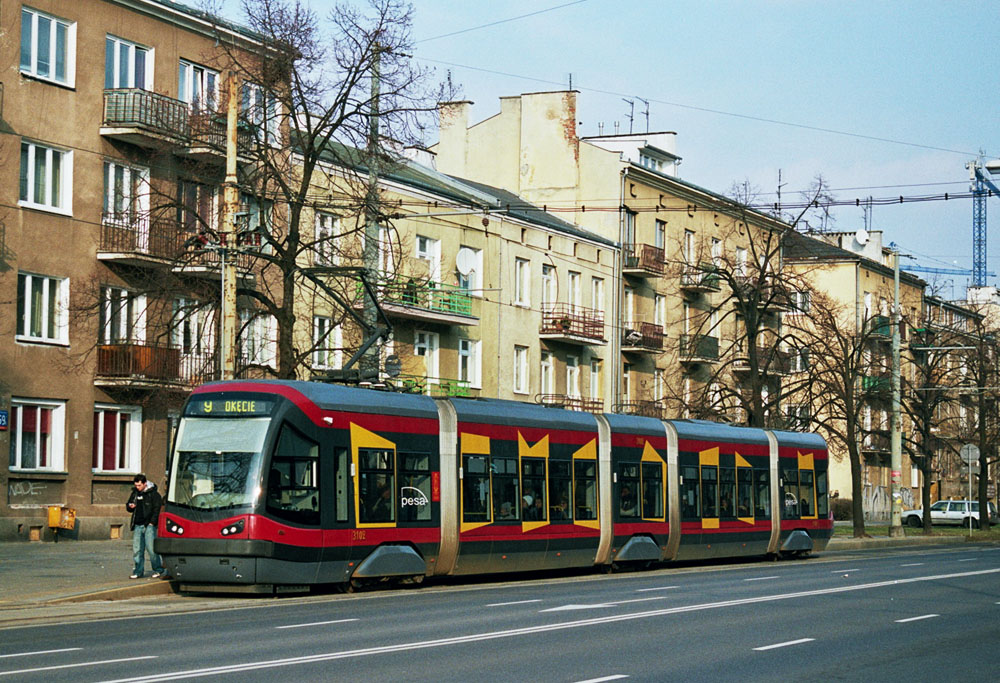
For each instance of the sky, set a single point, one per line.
(881, 98)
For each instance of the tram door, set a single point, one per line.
(798, 481)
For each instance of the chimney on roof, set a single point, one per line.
(453, 129)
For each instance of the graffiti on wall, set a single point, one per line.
(877, 504)
(25, 493)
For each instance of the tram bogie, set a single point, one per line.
(288, 484)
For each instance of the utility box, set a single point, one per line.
(62, 518)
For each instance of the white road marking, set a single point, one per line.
(923, 616)
(912, 564)
(74, 666)
(531, 630)
(40, 652)
(317, 623)
(969, 559)
(615, 677)
(565, 608)
(786, 644)
(661, 588)
(837, 571)
(516, 602)
(762, 578)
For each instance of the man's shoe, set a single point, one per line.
(136, 576)
(156, 575)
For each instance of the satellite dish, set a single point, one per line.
(465, 261)
(861, 237)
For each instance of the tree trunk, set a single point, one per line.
(857, 495)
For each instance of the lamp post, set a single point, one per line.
(896, 456)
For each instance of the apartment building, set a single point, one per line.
(114, 153)
(689, 255)
(486, 294)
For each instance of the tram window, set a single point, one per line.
(762, 504)
(628, 487)
(414, 487)
(342, 499)
(376, 485)
(533, 504)
(690, 507)
(727, 492)
(506, 502)
(475, 489)
(822, 499)
(652, 490)
(790, 494)
(807, 494)
(744, 492)
(585, 490)
(560, 486)
(710, 491)
(293, 481)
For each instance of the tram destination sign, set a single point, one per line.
(228, 407)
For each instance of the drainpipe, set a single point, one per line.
(617, 306)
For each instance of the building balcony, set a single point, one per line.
(877, 383)
(876, 441)
(769, 295)
(698, 279)
(426, 301)
(642, 338)
(643, 260)
(770, 361)
(572, 324)
(879, 327)
(437, 386)
(570, 402)
(152, 120)
(643, 408)
(137, 240)
(196, 258)
(699, 348)
(136, 365)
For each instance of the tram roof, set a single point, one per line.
(803, 440)
(703, 430)
(515, 413)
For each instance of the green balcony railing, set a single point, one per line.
(879, 326)
(436, 386)
(427, 295)
(699, 347)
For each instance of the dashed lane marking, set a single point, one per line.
(317, 623)
(921, 617)
(785, 644)
(762, 578)
(661, 588)
(75, 666)
(516, 602)
(40, 652)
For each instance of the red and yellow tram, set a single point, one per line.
(279, 484)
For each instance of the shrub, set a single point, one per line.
(841, 509)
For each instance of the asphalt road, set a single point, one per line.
(915, 614)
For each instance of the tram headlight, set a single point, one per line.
(174, 528)
(235, 528)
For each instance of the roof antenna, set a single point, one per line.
(645, 113)
(571, 81)
(631, 112)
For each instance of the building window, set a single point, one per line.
(546, 377)
(628, 240)
(574, 294)
(572, 376)
(198, 86)
(42, 305)
(660, 234)
(626, 381)
(196, 206)
(122, 316)
(472, 280)
(548, 286)
(256, 338)
(689, 254)
(126, 197)
(126, 65)
(520, 369)
(37, 429)
(800, 360)
(597, 293)
(326, 231)
(801, 301)
(595, 379)
(260, 111)
(426, 345)
(741, 262)
(429, 250)
(117, 438)
(522, 284)
(46, 177)
(47, 46)
(716, 252)
(660, 310)
(469, 364)
(327, 344)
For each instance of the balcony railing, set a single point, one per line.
(566, 322)
(428, 295)
(770, 361)
(642, 408)
(578, 403)
(876, 441)
(130, 235)
(701, 278)
(138, 362)
(643, 260)
(699, 348)
(879, 326)
(880, 383)
(642, 337)
(437, 386)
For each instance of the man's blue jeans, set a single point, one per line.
(142, 542)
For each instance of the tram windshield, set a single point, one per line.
(217, 462)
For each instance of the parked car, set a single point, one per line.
(954, 512)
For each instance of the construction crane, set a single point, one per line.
(980, 182)
(942, 271)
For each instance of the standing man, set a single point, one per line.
(144, 504)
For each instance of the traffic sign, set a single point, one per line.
(969, 453)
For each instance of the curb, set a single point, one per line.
(885, 542)
(141, 590)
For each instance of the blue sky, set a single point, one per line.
(914, 71)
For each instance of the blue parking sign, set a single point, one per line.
(3, 420)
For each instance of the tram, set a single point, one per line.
(281, 485)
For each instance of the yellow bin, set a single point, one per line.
(62, 518)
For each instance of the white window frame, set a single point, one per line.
(660, 234)
(327, 225)
(198, 86)
(716, 252)
(522, 282)
(597, 293)
(261, 109)
(327, 343)
(128, 456)
(470, 362)
(626, 381)
(741, 262)
(429, 249)
(801, 302)
(125, 311)
(29, 21)
(59, 200)
(573, 376)
(57, 435)
(546, 377)
(689, 248)
(521, 379)
(114, 47)
(660, 310)
(54, 294)
(126, 198)
(549, 292)
(574, 296)
(596, 390)
(427, 345)
(257, 340)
